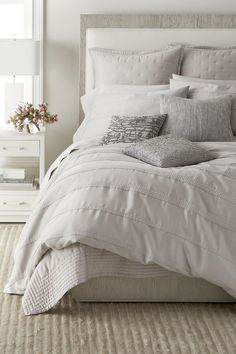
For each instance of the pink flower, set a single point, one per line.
(28, 114)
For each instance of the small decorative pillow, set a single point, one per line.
(123, 129)
(166, 151)
(197, 120)
(204, 89)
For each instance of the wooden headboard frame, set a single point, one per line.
(145, 21)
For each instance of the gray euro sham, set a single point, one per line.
(209, 62)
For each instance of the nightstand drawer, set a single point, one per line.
(16, 203)
(19, 148)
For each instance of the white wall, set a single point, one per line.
(62, 51)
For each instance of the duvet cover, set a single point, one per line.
(97, 198)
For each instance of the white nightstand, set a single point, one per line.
(20, 150)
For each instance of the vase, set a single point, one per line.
(32, 128)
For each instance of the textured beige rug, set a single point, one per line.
(110, 328)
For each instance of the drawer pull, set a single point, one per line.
(20, 203)
(19, 148)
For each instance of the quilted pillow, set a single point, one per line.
(124, 129)
(197, 120)
(166, 151)
(209, 63)
(205, 89)
(112, 67)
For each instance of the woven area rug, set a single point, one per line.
(110, 328)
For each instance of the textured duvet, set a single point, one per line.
(95, 197)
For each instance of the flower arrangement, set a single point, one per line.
(26, 115)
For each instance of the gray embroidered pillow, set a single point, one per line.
(197, 120)
(167, 151)
(123, 129)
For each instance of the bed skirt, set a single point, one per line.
(171, 288)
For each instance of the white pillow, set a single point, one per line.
(195, 79)
(197, 90)
(204, 89)
(111, 67)
(129, 89)
(88, 99)
(99, 117)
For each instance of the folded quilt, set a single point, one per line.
(182, 219)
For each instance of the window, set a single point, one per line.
(19, 19)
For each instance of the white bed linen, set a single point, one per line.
(101, 108)
(63, 269)
(182, 219)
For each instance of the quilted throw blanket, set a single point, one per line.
(182, 219)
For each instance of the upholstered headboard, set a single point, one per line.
(144, 32)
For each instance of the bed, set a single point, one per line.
(109, 32)
(103, 257)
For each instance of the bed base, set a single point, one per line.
(171, 288)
